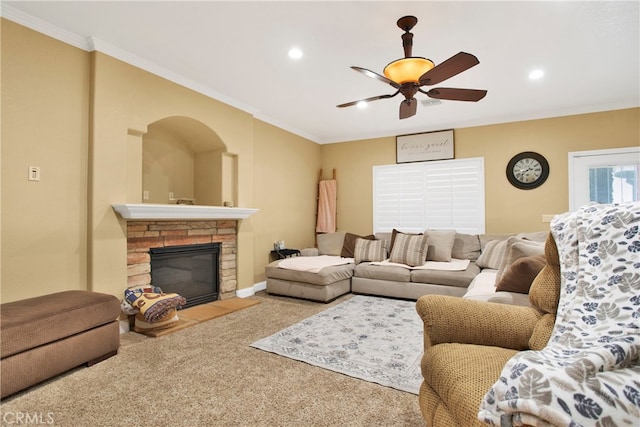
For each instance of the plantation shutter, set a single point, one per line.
(414, 197)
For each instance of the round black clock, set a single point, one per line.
(527, 170)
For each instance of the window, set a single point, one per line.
(604, 176)
(414, 197)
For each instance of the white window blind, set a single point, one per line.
(413, 197)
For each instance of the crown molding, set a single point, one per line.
(44, 27)
(91, 44)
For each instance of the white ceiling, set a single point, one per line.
(237, 52)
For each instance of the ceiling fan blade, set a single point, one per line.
(376, 76)
(408, 108)
(456, 94)
(455, 65)
(373, 98)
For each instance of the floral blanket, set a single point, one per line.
(589, 372)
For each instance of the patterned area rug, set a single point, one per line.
(370, 338)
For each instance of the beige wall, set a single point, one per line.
(286, 170)
(168, 166)
(508, 209)
(45, 99)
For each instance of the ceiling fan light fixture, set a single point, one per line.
(407, 70)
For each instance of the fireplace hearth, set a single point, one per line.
(192, 271)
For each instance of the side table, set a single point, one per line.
(284, 253)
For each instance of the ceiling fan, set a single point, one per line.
(407, 75)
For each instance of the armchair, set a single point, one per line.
(573, 358)
(467, 343)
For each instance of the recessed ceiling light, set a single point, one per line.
(295, 53)
(362, 104)
(536, 74)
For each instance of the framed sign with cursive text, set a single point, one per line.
(424, 146)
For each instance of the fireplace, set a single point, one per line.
(143, 237)
(190, 270)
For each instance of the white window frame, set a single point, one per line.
(404, 193)
(581, 161)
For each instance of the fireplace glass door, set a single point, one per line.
(191, 271)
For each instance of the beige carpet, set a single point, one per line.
(208, 375)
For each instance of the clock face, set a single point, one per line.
(527, 170)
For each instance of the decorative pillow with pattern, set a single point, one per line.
(369, 250)
(409, 249)
(350, 244)
(492, 254)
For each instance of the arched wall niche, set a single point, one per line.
(183, 159)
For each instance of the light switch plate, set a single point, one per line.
(34, 173)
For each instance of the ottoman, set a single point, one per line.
(45, 336)
(326, 285)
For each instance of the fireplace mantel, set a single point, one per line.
(149, 211)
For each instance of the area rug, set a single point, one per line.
(370, 338)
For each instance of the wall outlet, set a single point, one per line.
(145, 195)
(34, 173)
(171, 195)
(547, 217)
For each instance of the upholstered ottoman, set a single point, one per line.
(44, 336)
(326, 285)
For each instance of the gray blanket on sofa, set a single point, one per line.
(589, 372)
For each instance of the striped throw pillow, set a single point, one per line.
(409, 249)
(369, 250)
(492, 254)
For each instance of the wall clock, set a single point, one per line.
(527, 170)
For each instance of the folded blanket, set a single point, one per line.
(152, 306)
(313, 264)
(453, 265)
(589, 372)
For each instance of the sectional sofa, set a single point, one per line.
(496, 268)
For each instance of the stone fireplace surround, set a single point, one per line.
(143, 235)
(154, 226)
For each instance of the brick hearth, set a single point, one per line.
(143, 235)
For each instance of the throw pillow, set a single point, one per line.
(369, 250)
(519, 276)
(492, 254)
(440, 245)
(516, 249)
(409, 249)
(395, 232)
(466, 246)
(350, 243)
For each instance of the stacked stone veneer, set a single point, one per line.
(143, 235)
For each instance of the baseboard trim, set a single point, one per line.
(247, 292)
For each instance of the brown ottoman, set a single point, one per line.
(45, 336)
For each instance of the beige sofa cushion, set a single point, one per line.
(460, 279)
(390, 273)
(331, 243)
